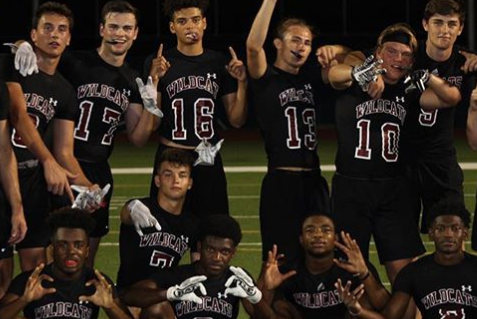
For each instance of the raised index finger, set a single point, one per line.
(159, 51)
(233, 54)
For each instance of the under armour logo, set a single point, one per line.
(466, 288)
(400, 99)
(435, 72)
(211, 76)
(83, 302)
(53, 102)
(220, 295)
(307, 86)
(185, 239)
(320, 287)
(126, 92)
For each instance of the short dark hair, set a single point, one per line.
(284, 24)
(220, 225)
(175, 156)
(119, 6)
(51, 7)
(171, 6)
(68, 217)
(445, 7)
(449, 206)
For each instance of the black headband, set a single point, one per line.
(397, 36)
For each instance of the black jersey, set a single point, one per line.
(214, 305)
(142, 256)
(369, 131)
(191, 93)
(315, 296)
(47, 97)
(104, 93)
(286, 109)
(64, 303)
(441, 291)
(429, 135)
(4, 101)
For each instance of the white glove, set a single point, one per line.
(244, 287)
(367, 72)
(185, 291)
(142, 217)
(149, 96)
(86, 198)
(25, 58)
(207, 152)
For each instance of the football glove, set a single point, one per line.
(149, 96)
(417, 80)
(244, 286)
(207, 152)
(185, 291)
(142, 217)
(367, 72)
(25, 58)
(86, 198)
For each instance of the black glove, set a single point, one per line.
(417, 80)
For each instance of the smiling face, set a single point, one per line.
(397, 60)
(442, 30)
(188, 25)
(318, 236)
(70, 250)
(52, 35)
(118, 32)
(294, 47)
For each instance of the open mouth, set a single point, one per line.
(402, 68)
(71, 263)
(297, 55)
(192, 36)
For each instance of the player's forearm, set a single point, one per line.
(471, 129)
(377, 295)
(238, 113)
(448, 95)
(116, 312)
(126, 215)
(9, 171)
(68, 161)
(12, 310)
(340, 76)
(143, 129)
(144, 297)
(258, 32)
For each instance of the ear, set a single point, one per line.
(461, 28)
(465, 233)
(204, 19)
(171, 28)
(191, 181)
(430, 233)
(33, 35)
(157, 181)
(425, 25)
(199, 246)
(136, 31)
(68, 40)
(101, 29)
(277, 43)
(301, 240)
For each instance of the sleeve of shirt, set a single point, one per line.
(229, 84)
(4, 101)
(404, 281)
(17, 287)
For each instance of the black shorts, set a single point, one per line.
(6, 251)
(380, 208)
(208, 194)
(430, 182)
(287, 198)
(100, 173)
(36, 206)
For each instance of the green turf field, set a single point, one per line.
(243, 188)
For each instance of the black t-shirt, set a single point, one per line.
(441, 291)
(191, 92)
(4, 101)
(214, 305)
(140, 257)
(47, 97)
(286, 107)
(429, 135)
(369, 131)
(64, 303)
(104, 93)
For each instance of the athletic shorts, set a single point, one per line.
(36, 206)
(287, 198)
(208, 194)
(430, 182)
(380, 208)
(100, 173)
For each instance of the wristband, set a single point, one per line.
(365, 276)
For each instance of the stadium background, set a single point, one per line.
(355, 23)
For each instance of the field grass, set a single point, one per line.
(244, 191)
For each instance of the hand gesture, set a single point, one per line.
(350, 299)
(19, 227)
(89, 198)
(57, 179)
(367, 72)
(473, 100)
(141, 216)
(355, 263)
(34, 289)
(417, 80)
(25, 58)
(236, 68)
(272, 277)
(185, 291)
(159, 65)
(326, 54)
(103, 296)
(244, 286)
(148, 94)
(470, 64)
